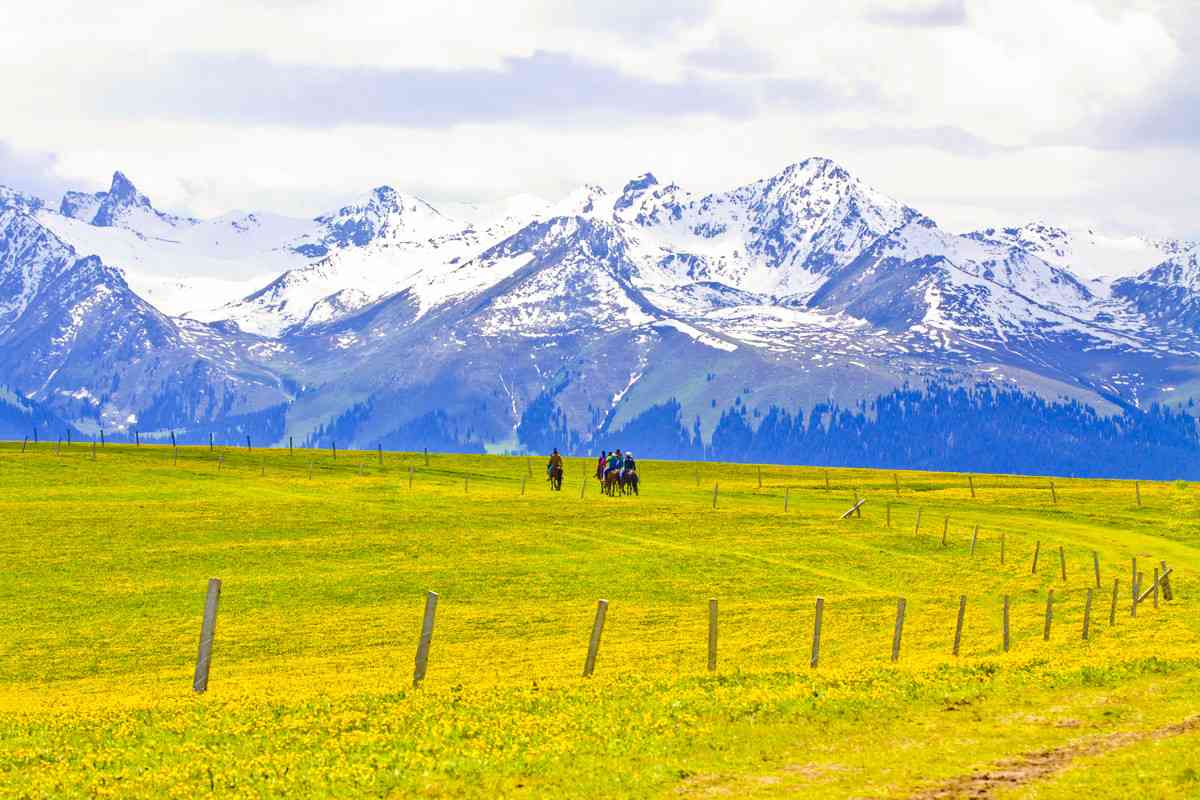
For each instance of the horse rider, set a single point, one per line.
(613, 462)
(600, 465)
(630, 466)
(556, 462)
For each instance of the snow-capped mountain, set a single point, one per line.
(392, 317)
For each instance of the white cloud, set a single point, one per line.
(966, 109)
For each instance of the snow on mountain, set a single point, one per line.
(1087, 253)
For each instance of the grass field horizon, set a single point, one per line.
(325, 564)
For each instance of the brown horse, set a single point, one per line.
(556, 478)
(612, 482)
(629, 482)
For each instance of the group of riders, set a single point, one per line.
(616, 471)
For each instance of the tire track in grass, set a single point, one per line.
(1019, 770)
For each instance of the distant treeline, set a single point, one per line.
(977, 429)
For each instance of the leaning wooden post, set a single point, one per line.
(172, 438)
(971, 483)
(523, 479)
(816, 640)
(1112, 612)
(899, 631)
(528, 467)
(1087, 615)
(93, 450)
(410, 477)
(1137, 492)
(1062, 563)
(827, 480)
(945, 529)
(589, 666)
(1053, 494)
(24, 444)
(1166, 582)
(958, 626)
(1096, 567)
(1049, 615)
(208, 630)
(1037, 549)
(102, 437)
(974, 538)
(248, 447)
(917, 526)
(1005, 626)
(714, 502)
(431, 600)
(896, 478)
(712, 634)
(582, 488)
(857, 505)
(1156, 587)
(333, 449)
(787, 492)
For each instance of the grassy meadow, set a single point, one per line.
(325, 564)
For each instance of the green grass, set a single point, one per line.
(106, 562)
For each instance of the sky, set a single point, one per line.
(976, 112)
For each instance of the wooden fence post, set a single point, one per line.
(1166, 582)
(945, 529)
(1137, 588)
(958, 626)
(857, 505)
(974, 538)
(896, 478)
(93, 450)
(380, 448)
(1053, 494)
(888, 508)
(760, 476)
(827, 480)
(589, 666)
(528, 467)
(714, 502)
(1096, 567)
(1037, 549)
(1007, 641)
(1062, 562)
(1137, 491)
(210, 441)
(583, 488)
(1133, 577)
(1112, 612)
(291, 447)
(310, 470)
(1087, 615)
(422, 663)
(523, 486)
(1049, 615)
(899, 631)
(1156, 587)
(410, 477)
(173, 439)
(712, 634)
(24, 444)
(333, 449)
(102, 437)
(137, 439)
(787, 492)
(426, 456)
(917, 526)
(816, 640)
(248, 447)
(208, 630)
(971, 482)
(466, 484)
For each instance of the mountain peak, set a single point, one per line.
(122, 188)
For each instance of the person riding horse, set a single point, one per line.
(554, 471)
(629, 476)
